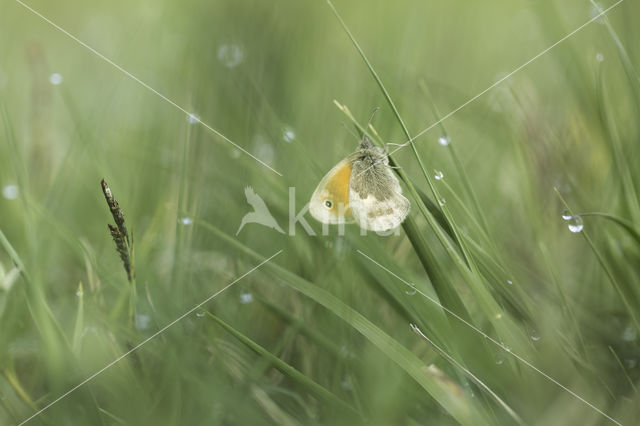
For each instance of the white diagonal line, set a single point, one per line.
(486, 336)
(469, 374)
(449, 114)
(142, 83)
(157, 333)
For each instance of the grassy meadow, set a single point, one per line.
(509, 296)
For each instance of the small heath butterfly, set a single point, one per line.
(362, 189)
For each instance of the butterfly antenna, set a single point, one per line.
(364, 133)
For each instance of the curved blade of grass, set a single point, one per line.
(305, 330)
(624, 370)
(287, 369)
(625, 224)
(79, 326)
(627, 64)
(13, 380)
(603, 263)
(459, 407)
(456, 160)
(619, 156)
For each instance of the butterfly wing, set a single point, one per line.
(375, 196)
(330, 201)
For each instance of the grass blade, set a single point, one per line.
(460, 407)
(287, 369)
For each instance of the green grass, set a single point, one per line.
(523, 321)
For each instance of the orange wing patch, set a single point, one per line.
(330, 201)
(338, 185)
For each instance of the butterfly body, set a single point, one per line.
(362, 189)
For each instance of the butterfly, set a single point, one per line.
(362, 189)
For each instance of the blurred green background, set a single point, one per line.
(320, 335)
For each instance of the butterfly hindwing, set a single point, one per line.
(375, 196)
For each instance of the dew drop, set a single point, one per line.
(566, 215)
(470, 389)
(346, 384)
(444, 140)
(142, 321)
(193, 119)
(629, 334)
(79, 293)
(344, 352)
(412, 290)
(576, 224)
(534, 336)
(230, 55)
(442, 201)
(10, 192)
(509, 282)
(288, 135)
(599, 57)
(246, 297)
(186, 221)
(438, 175)
(200, 314)
(55, 79)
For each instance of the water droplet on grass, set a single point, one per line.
(288, 135)
(599, 57)
(200, 314)
(193, 119)
(346, 384)
(442, 201)
(509, 282)
(246, 297)
(230, 55)
(575, 224)
(142, 321)
(55, 79)
(438, 175)
(629, 334)
(10, 192)
(79, 293)
(444, 140)
(566, 215)
(186, 221)
(412, 290)
(534, 336)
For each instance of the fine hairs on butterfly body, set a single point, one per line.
(361, 189)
